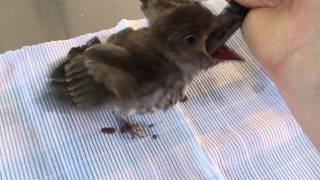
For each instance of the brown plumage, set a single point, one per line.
(139, 71)
(152, 9)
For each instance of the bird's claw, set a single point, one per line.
(134, 130)
(183, 98)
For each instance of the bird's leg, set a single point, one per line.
(126, 126)
(183, 98)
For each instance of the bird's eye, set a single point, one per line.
(190, 39)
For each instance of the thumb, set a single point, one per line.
(257, 3)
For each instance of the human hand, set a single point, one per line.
(285, 38)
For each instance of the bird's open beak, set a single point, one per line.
(215, 44)
(230, 20)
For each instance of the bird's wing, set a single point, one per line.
(87, 78)
(132, 40)
(117, 80)
(120, 36)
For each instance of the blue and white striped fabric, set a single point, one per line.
(234, 126)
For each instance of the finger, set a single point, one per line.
(257, 3)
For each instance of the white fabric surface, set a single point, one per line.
(234, 126)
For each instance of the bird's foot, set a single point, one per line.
(133, 130)
(183, 98)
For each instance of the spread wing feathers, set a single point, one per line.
(87, 78)
(121, 83)
(71, 80)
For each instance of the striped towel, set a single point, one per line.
(234, 126)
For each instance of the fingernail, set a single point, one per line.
(272, 2)
(277, 2)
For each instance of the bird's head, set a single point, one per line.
(182, 34)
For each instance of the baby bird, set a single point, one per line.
(152, 9)
(140, 71)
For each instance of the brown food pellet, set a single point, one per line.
(155, 136)
(108, 130)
